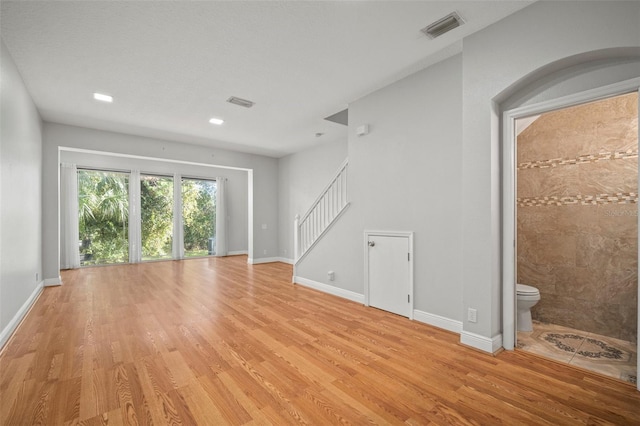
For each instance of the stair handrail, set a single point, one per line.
(298, 249)
(343, 166)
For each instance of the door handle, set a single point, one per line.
(372, 243)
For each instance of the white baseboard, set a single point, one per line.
(17, 318)
(53, 281)
(268, 260)
(286, 260)
(490, 345)
(325, 288)
(438, 321)
(496, 342)
(237, 252)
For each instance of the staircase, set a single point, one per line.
(327, 208)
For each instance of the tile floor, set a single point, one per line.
(602, 354)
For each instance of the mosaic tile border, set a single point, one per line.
(581, 159)
(599, 199)
(543, 340)
(570, 342)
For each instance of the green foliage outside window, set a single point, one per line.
(198, 215)
(156, 208)
(103, 201)
(103, 215)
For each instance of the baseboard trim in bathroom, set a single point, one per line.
(491, 345)
(438, 321)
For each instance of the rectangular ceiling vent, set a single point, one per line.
(444, 25)
(239, 101)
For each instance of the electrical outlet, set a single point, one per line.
(265, 252)
(331, 275)
(472, 315)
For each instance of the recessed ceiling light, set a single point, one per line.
(102, 97)
(216, 121)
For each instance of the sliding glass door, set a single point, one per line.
(103, 217)
(199, 216)
(156, 210)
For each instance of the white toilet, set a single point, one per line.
(526, 298)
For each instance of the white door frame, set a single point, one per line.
(367, 235)
(509, 190)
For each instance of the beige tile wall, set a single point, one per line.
(577, 215)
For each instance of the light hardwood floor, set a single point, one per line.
(216, 341)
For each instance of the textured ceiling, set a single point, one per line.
(170, 66)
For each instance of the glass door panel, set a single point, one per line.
(156, 209)
(103, 215)
(199, 216)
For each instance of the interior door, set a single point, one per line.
(389, 270)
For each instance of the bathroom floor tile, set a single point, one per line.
(609, 356)
(622, 344)
(602, 354)
(624, 372)
(537, 342)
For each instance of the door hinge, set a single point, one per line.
(408, 298)
(409, 257)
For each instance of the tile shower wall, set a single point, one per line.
(577, 216)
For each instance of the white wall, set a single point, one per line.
(301, 177)
(263, 207)
(524, 47)
(20, 197)
(237, 196)
(405, 175)
(434, 152)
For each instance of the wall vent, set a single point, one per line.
(239, 101)
(444, 25)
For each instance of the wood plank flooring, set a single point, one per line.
(216, 341)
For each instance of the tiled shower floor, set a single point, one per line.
(602, 354)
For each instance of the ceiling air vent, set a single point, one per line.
(441, 26)
(239, 101)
